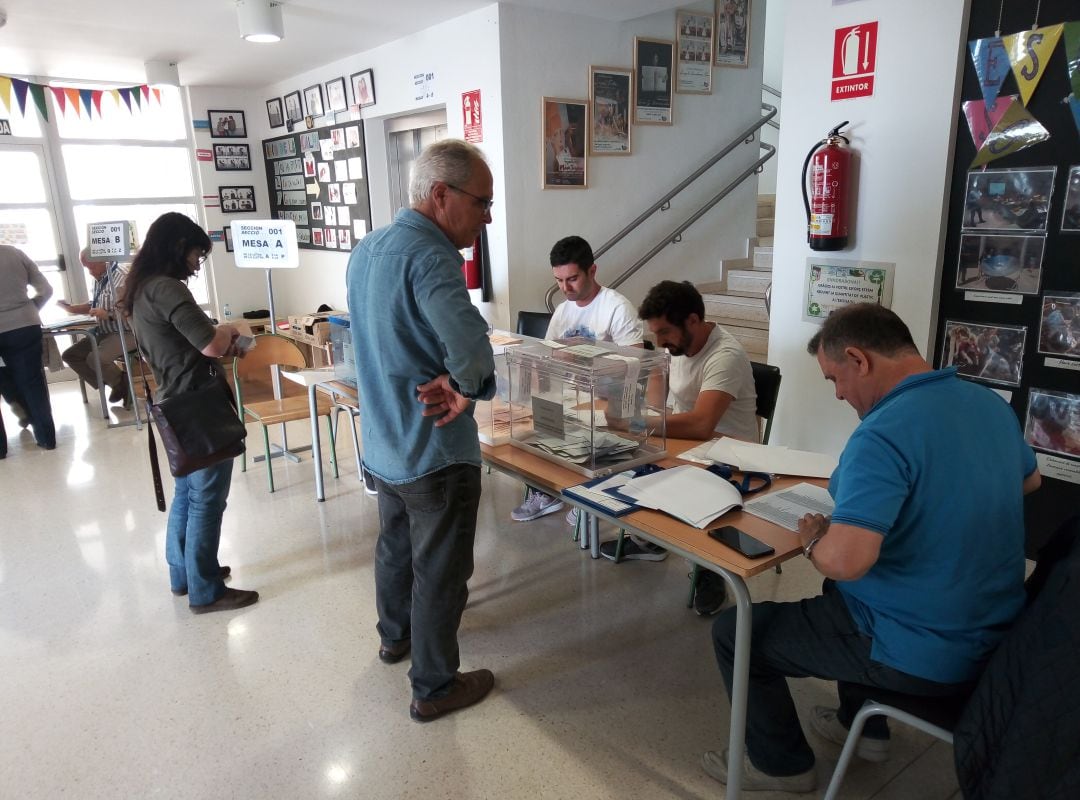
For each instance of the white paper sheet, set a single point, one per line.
(787, 507)
(688, 493)
(772, 459)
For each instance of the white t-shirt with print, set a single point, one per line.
(722, 364)
(610, 317)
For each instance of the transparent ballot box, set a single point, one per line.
(585, 405)
(493, 416)
(342, 347)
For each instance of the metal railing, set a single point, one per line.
(745, 137)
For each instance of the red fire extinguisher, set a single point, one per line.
(473, 266)
(829, 162)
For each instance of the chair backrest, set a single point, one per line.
(533, 323)
(253, 374)
(767, 386)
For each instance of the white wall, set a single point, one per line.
(903, 136)
(545, 53)
(772, 75)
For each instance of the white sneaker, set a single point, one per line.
(753, 779)
(536, 505)
(572, 517)
(827, 725)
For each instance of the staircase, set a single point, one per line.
(737, 300)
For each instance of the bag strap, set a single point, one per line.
(155, 466)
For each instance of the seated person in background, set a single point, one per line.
(101, 307)
(710, 392)
(591, 311)
(922, 581)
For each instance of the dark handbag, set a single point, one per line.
(198, 428)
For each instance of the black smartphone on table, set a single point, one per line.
(741, 542)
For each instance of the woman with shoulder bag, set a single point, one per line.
(181, 345)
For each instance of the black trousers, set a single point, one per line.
(21, 350)
(423, 562)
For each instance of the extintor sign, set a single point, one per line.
(854, 61)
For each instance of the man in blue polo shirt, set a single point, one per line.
(923, 580)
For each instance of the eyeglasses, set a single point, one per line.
(485, 202)
(201, 259)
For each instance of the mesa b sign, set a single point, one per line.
(110, 241)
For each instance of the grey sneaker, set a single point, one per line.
(633, 550)
(754, 780)
(709, 593)
(537, 504)
(828, 726)
(572, 516)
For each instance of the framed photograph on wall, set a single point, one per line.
(997, 263)
(228, 239)
(1053, 422)
(1059, 326)
(1008, 199)
(232, 157)
(363, 88)
(236, 199)
(694, 44)
(992, 353)
(275, 113)
(652, 81)
(313, 99)
(336, 98)
(611, 93)
(732, 33)
(565, 124)
(227, 124)
(294, 110)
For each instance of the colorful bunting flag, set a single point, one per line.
(78, 99)
(157, 94)
(37, 91)
(73, 99)
(21, 88)
(981, 120)
(86, 96)
(95, 95)
(5, 91)
(1016, 130)
(125, 95)
(1029, 52)
(1072, 54)
(60, 98)
(991, 65)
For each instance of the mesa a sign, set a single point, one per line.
(5, 128)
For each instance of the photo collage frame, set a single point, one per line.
(318, 179)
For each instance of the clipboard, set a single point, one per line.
(608, 501)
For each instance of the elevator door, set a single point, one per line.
(407, 139)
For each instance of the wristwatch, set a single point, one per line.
(808, 549)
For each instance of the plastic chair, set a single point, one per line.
(253, 376)
(533, 323)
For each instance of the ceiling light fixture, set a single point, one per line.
(162, 73)
(260, 20)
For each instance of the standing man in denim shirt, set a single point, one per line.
(422, 357)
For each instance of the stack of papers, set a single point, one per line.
(750, 457)
(578, 450)
(693, 495)
(787, 507)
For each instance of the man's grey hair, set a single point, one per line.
(450, 161)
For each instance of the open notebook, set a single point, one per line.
(688, 493)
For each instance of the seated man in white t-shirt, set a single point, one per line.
(591, 311)
(710, 392)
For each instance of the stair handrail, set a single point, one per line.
(745, 137)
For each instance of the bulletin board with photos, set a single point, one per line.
(1009, 302)
(318, 179)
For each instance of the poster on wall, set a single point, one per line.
(732, 33)
(991, 353)
(563, 162)
(1000, 263)
(1070, 216)
(694, 43)
(1053, 422)
(611, 94)
(832, 283)
(1059, 324)
(652, 81)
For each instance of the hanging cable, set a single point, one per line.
(1001, 13)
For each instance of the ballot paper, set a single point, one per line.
(691, 494)
(785, 508)
(751, 457)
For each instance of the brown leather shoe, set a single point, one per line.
(393, 653)
(469, 688)
(226, 571)
(232, 599)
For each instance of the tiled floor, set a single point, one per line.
(605, 682)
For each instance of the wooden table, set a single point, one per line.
(689, 542)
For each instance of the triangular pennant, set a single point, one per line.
(73, 99)
(1074, 104)
(981, 119)
(60, 99)
(86, 96)
(991, 65)
(21, 88)
(157, 95)
(96, 97)
(5, 91)
(125, 95)
(1072, 54)
(145, 92)
(37, 91)
(136, 96)
(1016, 130)
(1029, 52)
(115, 96)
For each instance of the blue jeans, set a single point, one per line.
(423, 562)
(813, 638)
(194, 530)
(21, 351)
